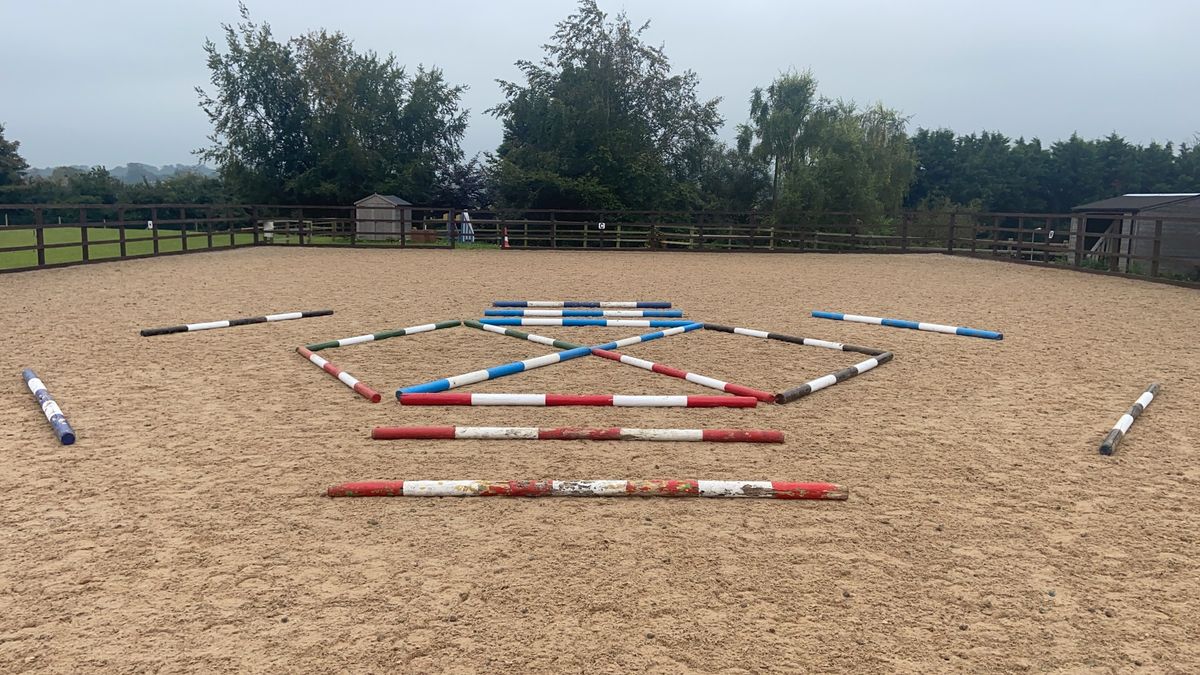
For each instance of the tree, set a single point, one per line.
(602, 122)
(826, 155)
(313, 120)
(781, 117)
(12, 165)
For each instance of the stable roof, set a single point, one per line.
(1134, 202)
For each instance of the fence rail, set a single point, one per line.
(34, 236)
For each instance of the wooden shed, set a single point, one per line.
(382, 217)
(1140, 215)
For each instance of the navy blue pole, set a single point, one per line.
(54, 414)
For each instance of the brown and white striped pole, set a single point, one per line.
(1113, 439)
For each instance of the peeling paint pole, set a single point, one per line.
(761, 489)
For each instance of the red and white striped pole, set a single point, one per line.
(616, 400)
(570, 433)
(689, 487)
(504, 243)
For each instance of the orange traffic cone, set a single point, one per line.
(504, 244)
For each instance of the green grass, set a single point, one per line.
(102, 244)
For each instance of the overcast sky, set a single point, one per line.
(112, 82)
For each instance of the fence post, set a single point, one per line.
(83, 234)
(1157, 248)
(450, 226)
(904, 231)
(154, 228)
(183, 231)
(208, 225)
(950, 234)
(40, 234)
(1114, 259)
(255, 224)
(298, 215)
(1080, 235)
(229, 224)
(121, 230)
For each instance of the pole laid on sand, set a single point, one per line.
(689, 487)
(626, 323)
(1113, 439)
(710, 382)
(613, 304)
(54, 414)
(187, 328)
(569, 353)
(842, 375)
(914, 325)
(807, 342)
(616, 400)
(570, 434)
(383, 335)
(342, 376)
(612, 313)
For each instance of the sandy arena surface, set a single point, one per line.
(186, 531)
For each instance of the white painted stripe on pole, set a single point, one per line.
(357, 339)
(467, 378)
(440, 488)
(1124, 423)
(35, 384)
(650, 401)
(822, 382)
(634, 361)
(423, 328)
(50, 408)
(863, 319)
(540, 361)
(730, 488)
(540, 339)
(706, 381)
(206, 326)
(1145, 399)
(347, 379)
(508, 399)
(751, 332)
(937, 328)
(530, 433)
(822, 343)
(284, 317)
(317, 360)
(599, 488)
(866, 365)
(665, 434)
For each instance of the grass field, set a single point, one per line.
(102, 243)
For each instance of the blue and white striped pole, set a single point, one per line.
(914, 325)
(536, 362)
(613, 304)
(616, 323)
(607, 313)
(54, 414)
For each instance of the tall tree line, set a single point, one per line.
(601, 121)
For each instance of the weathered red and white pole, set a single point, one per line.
(571, 433)
(617, 400)
(688, 487)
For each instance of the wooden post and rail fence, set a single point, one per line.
(34, 236)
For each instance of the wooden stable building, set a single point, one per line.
(380, 217)
(1135, 218)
